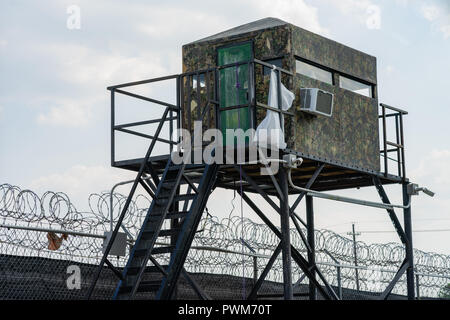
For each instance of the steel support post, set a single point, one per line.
(355, 257)
(285, 239)
(113, 132)
(417, 287)
(310, 237)
(255, 270)
(409, 244)
(174, 224)
(339, 281)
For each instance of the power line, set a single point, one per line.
(390, 231)
(384, 220)
(354, 234)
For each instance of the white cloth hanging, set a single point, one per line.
(269, 132)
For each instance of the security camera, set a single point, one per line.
(428, 192)
(413, 189)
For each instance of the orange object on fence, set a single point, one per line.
(54, 242)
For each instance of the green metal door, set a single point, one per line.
(234, 87)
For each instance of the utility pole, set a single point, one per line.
(354, 234)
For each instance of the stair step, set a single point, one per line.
(176, 215)
(188, 167)
(147, 234)
(163, 199)
(174, 168)
(170, 215)
(159, 250)
(140, 252)
(169, 181)
(144, 286)
(149, 269)
(168, 185)
(181, 197)
(169, 232)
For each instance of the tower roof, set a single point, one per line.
(246, 28)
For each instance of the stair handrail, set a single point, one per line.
(399, 145)
(127, 204)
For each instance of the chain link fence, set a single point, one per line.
(49, 250)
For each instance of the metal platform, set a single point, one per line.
(331, 176)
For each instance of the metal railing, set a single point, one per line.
(201, 87)
(397, 147)
(170, 114)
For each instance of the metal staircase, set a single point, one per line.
(147, 246)
(173, 217)
(152, 239)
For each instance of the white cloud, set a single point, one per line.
(296, 12)
(80, 180)
(401, 39)
(430, 12)
(365, 12)
(445, 31)
(390, 69)
(435, 169)
(66, 112)
(439, 18)
(189, 23)
(194, 20)
(402, 2)
(373, 20)
(91, 71)
(86, 66)
(433, 172)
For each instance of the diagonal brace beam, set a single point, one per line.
(257, 188)
(302, 263)
(308, 186)
(394, 281)
(201, 294)
(398, 227)
(257, 286)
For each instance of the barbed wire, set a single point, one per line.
(55, 210)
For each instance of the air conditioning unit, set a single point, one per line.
(316, 101)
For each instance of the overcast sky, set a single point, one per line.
(54, 109)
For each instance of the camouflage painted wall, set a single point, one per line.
(267, 44)
(350, 136)
(334, 55)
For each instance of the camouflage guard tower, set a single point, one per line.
(333, 126)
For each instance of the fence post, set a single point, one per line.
(354, 234)
(339, 283)
(417, 287)
(255, 269)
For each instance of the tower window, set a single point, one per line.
(313, 72)
(355, 86)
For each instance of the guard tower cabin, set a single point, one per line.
(333, 125)
(346, 140)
